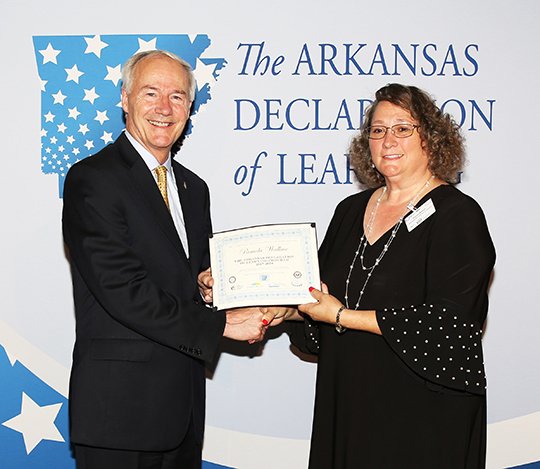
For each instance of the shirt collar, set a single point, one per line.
(148, 158)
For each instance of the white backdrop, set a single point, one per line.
(480, 58)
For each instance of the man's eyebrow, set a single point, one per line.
(155, 88)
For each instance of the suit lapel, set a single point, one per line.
(148, 192)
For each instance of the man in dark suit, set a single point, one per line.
(142, 332)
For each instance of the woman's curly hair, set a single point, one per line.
(439, 134)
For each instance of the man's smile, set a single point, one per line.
(160, 123)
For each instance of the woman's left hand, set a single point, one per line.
(326, 307)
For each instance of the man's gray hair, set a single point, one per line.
(129, 68)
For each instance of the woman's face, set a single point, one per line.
(397, 159)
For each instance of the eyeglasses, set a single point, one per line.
(377, 132)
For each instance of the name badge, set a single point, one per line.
(420, 215)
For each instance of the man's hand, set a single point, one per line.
(206, 282)
(245, 324)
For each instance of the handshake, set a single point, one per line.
(248, 323)
(251, 323)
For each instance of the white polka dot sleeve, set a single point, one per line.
(438, 344)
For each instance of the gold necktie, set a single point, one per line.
(161, 172)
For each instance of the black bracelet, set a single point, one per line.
(339, 328)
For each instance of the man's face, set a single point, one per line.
(157, 106)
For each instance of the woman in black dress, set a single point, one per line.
(400, 380)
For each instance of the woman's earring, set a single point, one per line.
(372, 165)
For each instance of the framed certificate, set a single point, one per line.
(264, 265)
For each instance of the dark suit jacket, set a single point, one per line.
(142, 333)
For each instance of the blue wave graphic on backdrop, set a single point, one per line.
(80, 89)
(533, 465)
(34, 420)
(34, 431)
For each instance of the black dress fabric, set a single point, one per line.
(415, 396)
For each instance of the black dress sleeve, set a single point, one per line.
(441, 339)
(305, 334)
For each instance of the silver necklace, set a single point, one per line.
(360, 251)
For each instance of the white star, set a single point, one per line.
(54, 140)
(59, 98)
(192, 37)
(49, 117)
(90, 95)
(47, 150)
(74, 113)
(106, 137)
(73, 74)
(43, 133)
(89, 144)
(49, 54)
(101, 116)
(61, 128)
(35, 423)
(42, 83)
(204, 74)
(83, 129)
(114, 74)
(75, 151)
(70, 139)
(147, 45)
(61, 148)
(94, 45)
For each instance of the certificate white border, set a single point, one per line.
(224, 299)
